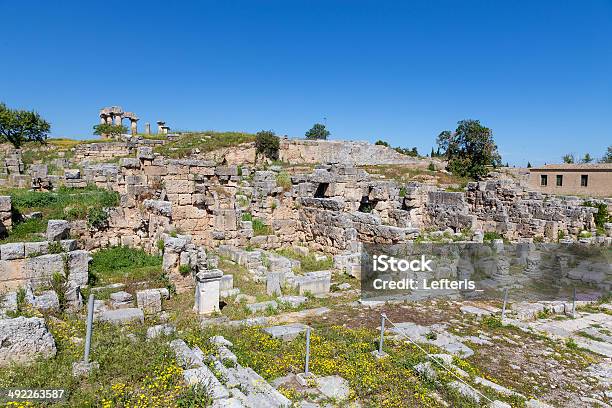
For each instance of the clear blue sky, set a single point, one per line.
(539, 73)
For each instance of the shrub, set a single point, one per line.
(55, 247)
(184, 270)
(601, 216)
(283, 180)
(97, 218)
(491, 235)
(110, 130)
(492, 322)
(59, 284)
(431, 167)
(267, 144)
(247, 216)
(382, 143)
(259, 228)
(571, 343)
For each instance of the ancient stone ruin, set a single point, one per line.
(281, 245)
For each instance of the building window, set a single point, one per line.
(584, 180)
(559, 180)
(543, 180)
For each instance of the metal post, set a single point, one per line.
(382, 334)
(307, 350)
(504, 305)
(90, 310)
(574, 304)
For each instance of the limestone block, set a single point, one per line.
(72, 174)
(286, 332)
(22, 340)
(78, 266)
(12, 251)
(160, 330)
(122, 316)
(273, 283)
(149, 301)
(58, 230)
(227, 282)
(5, 203)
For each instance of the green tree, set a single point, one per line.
(469, 149)
(382, 143)
(608, 156)
(528, 165)
(20, 126)
(568, 158)
(267, 144)
(317, 132)
(587, 158)
(109, 130)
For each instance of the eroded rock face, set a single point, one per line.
(23, 339)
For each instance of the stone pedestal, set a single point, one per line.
(207, 291)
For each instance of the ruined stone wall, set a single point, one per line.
(97, 152)
(343, 151)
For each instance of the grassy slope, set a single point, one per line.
(206, 141)
(64, 203)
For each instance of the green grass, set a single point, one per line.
(308, 263)
(64, 203)
(189, 141)
(123, 264)
(259, 228)
(131, 373)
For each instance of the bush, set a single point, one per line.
(283, 180)
(267, 144)
(97, 218)
(431, 167)
(601, 216)
(259, 228)
(382, 143)
(247, 216)
(491, 235)
(184, 270)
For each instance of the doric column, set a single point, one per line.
(118, 119)
(160, 125)
(134, 126)
(147, 128)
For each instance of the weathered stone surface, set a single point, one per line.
(262, 306)
(204, 377)
(122, 316)
(12, 251)
(58, 230)
(22, 340)
(149, 301)
(334, 387)
(160, 330)
(294, 301)
(286, 332)
(465, 390)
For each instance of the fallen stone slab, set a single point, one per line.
(334, 387)
(432, 335)
(23, 340)
(220, 341)
(496, 387)
(533, 403)
(262, 306)
(286, 332)
(185, 356)
(122, 316)
(121, 300)
(293, 301)
(473, 310)
(465, 390)
(204, 377)
(160, 330)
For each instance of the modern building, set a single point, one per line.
(589, 179)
